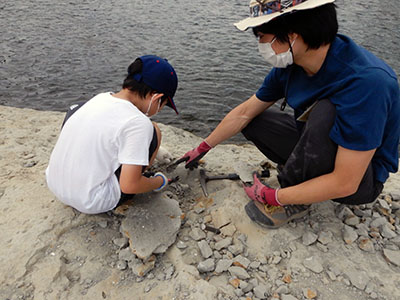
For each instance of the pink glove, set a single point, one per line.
(262, 193)
(193, 156)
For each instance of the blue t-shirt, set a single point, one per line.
(364, 91)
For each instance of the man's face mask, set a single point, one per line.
(281, 60)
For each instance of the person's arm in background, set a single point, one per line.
(233, 123)
(343, 181)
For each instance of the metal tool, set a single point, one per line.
(232, 176)
(173, 166)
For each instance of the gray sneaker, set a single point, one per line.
(274, 216)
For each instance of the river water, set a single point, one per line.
(54, 52)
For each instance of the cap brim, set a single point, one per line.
(256, 21)
(171, 104)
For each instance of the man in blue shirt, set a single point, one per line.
(343, 140)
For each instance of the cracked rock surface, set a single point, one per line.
(191, 246)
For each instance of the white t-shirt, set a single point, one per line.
(103, 134)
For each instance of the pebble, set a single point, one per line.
(223, 265)
(241, 261)
(254, 265)
(103, 224)
(344, 213)
(313, 263)
(352, 220)
(197, 234)
(126, 254)
(121, 242)
(236, 249)
(384, 204)
(228, 230)
(207, 265)
(181, 245)
(309, 238)
(288, 297)
(366, 244)
(283, 289)
(387, 232)
(122, 265)
(205, 249)
(325, 237)
(357, 278)
(349, 234)
(223, 243)
(309, 294)
(378, 222)
(238, 272)
(261, 291)
(392, 256)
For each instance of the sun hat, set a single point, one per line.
(263, 11)
(159, 75)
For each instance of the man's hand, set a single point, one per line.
(261, 193)
(193, 156)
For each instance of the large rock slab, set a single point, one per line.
(151, 224)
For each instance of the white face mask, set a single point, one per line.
(151, 102)
(281, 60)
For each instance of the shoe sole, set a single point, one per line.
(256, 215)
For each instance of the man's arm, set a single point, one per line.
(350, 167)
(237, 119)
(132, 181)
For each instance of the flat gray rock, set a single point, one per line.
(314, 264)
(392, 256)
(357, 278)
(151, 224)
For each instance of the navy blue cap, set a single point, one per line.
(159, 75)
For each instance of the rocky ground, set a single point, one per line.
(180, 244)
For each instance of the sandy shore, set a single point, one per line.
(51, 251)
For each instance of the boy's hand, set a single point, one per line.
(192, 157)
(165, 181)
(261, 193)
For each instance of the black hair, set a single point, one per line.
(133, 85)
(317, 26)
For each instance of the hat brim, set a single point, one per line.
(171, 104)
(250, 22)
